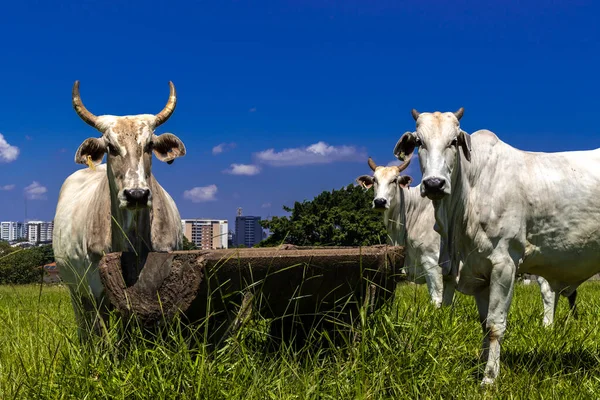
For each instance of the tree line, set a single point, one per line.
(21, 266)
(341, 217)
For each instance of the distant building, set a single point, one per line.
(230, 239)
(39, 231)
(206, 234)
(11, 231)
(248, 231)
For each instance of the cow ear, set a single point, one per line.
(404, 181)
(406, 146)
(93, 148)
(464, 140)
(365, 181)
(167, 147)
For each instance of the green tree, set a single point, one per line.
(5, 248)
(187, 245)
(341, 217)
(22, 266)
(47, 253)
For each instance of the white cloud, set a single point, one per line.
(8, 153)
(35, 191)
(220, 148)
(7, 187)
(201, 194)
(242, 169)
(266, 205)
(318, 153)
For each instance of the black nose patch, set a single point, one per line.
(379, 203)
(434, 185)
(137, 197)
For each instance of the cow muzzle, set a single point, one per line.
(434, 188)
(380, 204)
(136, 198)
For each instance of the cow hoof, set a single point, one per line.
(487, 382)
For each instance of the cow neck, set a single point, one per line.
(394, 219)
(130, 233)
(450, 212)
(416, 210)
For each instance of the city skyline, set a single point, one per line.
(33, 231)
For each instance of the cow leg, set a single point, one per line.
(482, 299)
(435, 284)
(449, 289)
(572, 303)
(550, 300)
(501, 289)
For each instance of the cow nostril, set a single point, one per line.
(379, 202)
(434, 184)
(138, 196)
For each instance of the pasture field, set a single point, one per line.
(408, 350)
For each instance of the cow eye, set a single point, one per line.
(454, 142)
(112, 150)
(418, 142)
(149, 147)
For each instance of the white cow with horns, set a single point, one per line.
(503, 211)
(409, 221)
(117, 206)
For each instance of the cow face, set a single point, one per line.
(128, 142)
(438, 137)
(385, 181)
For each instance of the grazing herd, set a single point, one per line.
(483, 213)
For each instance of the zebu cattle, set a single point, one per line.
(504, 211)
(409, 221)
(113, 207)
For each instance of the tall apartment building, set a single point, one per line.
(206, 234)
(39, 231)
(248, 231)
(10, 230)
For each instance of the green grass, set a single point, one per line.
(409, 350)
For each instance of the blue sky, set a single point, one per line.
(297, 93)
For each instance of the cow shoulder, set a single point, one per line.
(98, 228)
(166, 229)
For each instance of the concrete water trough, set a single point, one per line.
(310, 285)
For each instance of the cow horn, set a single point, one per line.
(458, 114)
(415, 114)
(372, 164)
(83, 113)
(166, 112)
(405, 164)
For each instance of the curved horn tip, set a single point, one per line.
(80, 109)
(167, 111)
(372, 164)
(415, 114)
(458, 114)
